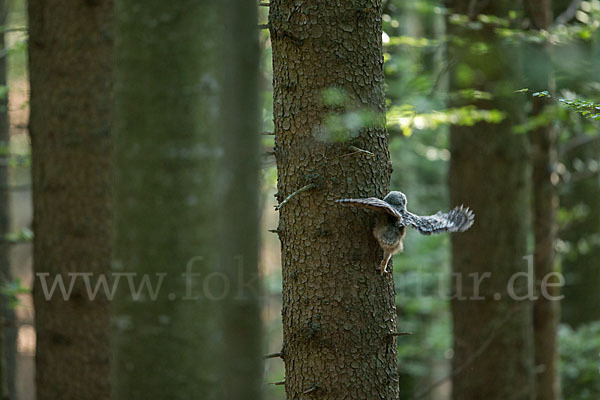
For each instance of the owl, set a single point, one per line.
(393, 218)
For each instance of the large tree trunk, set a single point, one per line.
(166, 130)
(545, 205)
(493, 349)
(338, 312)
(70, 64)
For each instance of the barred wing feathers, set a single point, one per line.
(458, 219)
(372, 203)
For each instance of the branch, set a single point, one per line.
(263, 26)
(17, 29)
(273, 355)
(302, 189)
(15, 188)
(438, 78)
(310, 389)
(277, 383)
(357, 150)
(15, 241)
(568, 14)
(400, 333)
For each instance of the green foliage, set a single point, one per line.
(586, 108)
(417, 42)
(580, 361)
(416, 70)
(481, 21)
(544, 118)
(11, 290)
(16, 39)
(26, 235)
(407, 119)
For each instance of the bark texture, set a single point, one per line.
(70, 66)
(338, 312)
(238, 186)
(166, 120)
(545, 205)
(489, 171)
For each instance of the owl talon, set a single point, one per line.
(383, 267)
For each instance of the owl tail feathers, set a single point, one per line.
(462, 218)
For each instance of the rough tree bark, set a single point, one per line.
(166, 126)
(545, 205)
(70, 66)
(338, 312)
(489, 172)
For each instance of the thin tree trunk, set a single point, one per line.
(238, 187)
(70, 66)
(8, 334)
(166, 127)
(338, 312)
(545, 309)
(492, 330)
(545, 205)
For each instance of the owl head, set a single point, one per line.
(397, 199)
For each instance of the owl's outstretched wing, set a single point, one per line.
(372, 203)
(458, 219)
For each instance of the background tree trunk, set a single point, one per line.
(580, 264)
(545, 310)
(489, 172)
(70, 64)
(166, 135)
(545, 205)
(338, 312)
(8, 329)
(239, 186)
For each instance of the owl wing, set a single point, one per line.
(372, 203)
(458, 219)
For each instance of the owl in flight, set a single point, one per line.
(393, 218)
